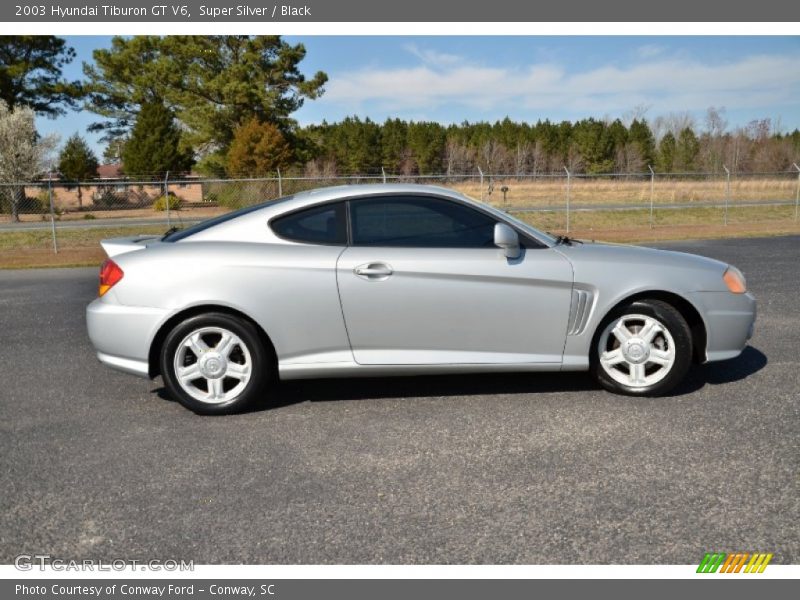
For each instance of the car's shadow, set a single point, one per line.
(750, 361)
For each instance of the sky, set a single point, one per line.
(451, 79)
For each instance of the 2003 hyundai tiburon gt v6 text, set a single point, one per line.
(400, 280)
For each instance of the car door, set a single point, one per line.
(422, 283)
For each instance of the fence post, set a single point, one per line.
(166, 199)
(481, 172)
(52, 209)
(280, 184)
(383, 172)
(797, 196)
(569, 178)
(727, 193)
(652, 191)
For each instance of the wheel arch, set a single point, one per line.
(688, 311)
(153, 362)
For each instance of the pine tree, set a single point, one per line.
(154, 146)
(687, 150)
(77, 162)
(426, 141)
(394, 144)
(641, 136)
(31, 74)
(666, 153)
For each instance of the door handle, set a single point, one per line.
(374, 271)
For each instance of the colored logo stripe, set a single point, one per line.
(711, 562)
(758, 563)
(733, 563)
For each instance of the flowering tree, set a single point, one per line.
(22, 153)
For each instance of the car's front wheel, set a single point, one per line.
(642, 349)
(214, 363)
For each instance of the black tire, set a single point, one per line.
(671, 319)
(261, 366)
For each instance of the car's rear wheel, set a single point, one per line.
(642, 349)
(214, 364)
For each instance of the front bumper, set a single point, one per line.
(730, 322)
(122, 335)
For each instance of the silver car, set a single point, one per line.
(382, 280)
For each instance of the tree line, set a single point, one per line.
(672, 144)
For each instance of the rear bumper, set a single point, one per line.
(122, 335)
(730, 322)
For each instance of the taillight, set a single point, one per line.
(110, 274)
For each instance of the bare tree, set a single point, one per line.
(637, 113)
(673, 122)
(574, 159)
(713, 141)
(538, 158)
(457, 157)
(629, 159)
(715, 120)
(491, 154)
(321, 168)
(522, 158)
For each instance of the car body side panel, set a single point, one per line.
(122, 334)
(730, 320)
(456, 306)
(290, 292)
(616, 272)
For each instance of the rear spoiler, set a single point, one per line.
(121, 245)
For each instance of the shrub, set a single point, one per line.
(160, 203)
(106, 198)
(28, 205)
(42, 201)
(239, 194)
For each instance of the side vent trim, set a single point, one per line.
(580, 309)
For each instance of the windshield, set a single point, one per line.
(180, 234)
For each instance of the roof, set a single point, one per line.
(368, 189)
(109, 171)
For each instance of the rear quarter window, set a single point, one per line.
(325, 224)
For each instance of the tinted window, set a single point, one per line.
(421, 222)
(318, 225)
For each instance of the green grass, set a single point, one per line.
(69, 238)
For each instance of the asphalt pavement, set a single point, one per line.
(534, 468)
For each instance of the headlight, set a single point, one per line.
(735, 281)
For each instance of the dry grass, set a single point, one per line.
(634, 225)
(81, 247)
(636, 190)
(25, 248)
(76, 247)
(192, 213)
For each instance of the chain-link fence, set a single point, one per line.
(56, 215)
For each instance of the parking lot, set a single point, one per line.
(534, 468)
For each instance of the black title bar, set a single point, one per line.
(404, 11)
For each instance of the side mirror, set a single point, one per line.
(507, 239)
